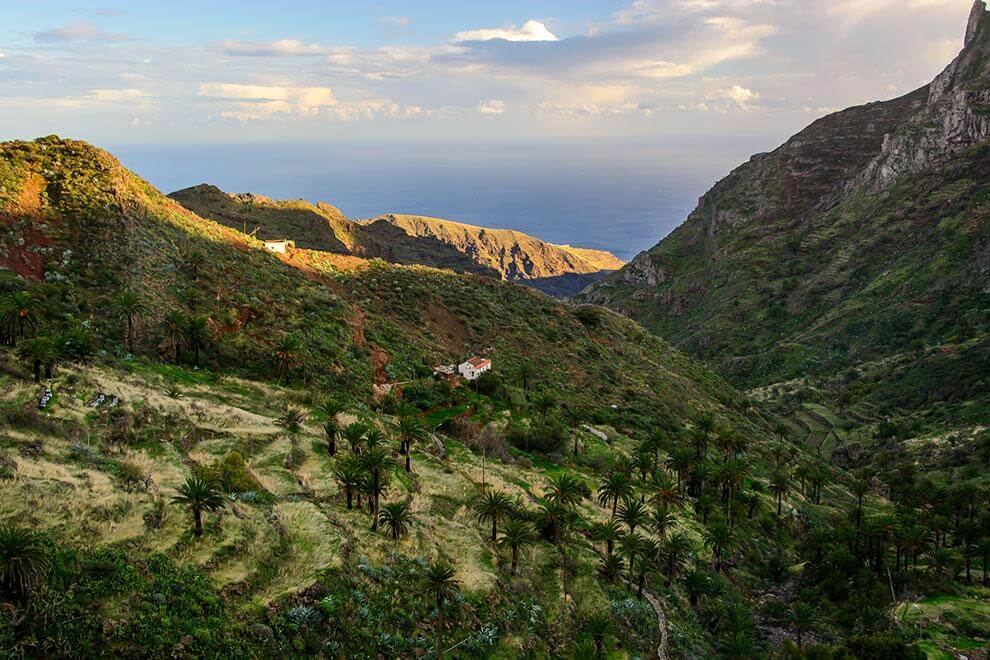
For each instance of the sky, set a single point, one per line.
(703, 83)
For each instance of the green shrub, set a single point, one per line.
(231, 472)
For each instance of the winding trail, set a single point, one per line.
(663, 650)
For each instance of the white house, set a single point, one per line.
(473, 368)
(280, 246)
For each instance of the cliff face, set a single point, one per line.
(406, 239)
(955, 116)
(512, 254)
(863, 234)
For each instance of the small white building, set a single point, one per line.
(444, 370)
(280, 246)
(474, 367)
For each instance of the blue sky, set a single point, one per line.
(357, 23)
(240, 72)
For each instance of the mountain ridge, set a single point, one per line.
(408, 239)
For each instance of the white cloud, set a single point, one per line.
(2, 54)
(280, 48)
(735, 96)
(396, 21)
(119, 96)
(530, 31)
(262, 101)
(493, 107)
(80, 31)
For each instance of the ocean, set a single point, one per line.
(622, 197)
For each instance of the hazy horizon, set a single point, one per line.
(618, 197)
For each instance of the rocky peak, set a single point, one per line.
(977, 21)
(955, 117)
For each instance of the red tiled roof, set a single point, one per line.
(478, 362)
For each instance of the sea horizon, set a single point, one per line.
(620, 198)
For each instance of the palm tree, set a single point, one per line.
(377, 464)
(543, 404)
(197, 333)
(411, 429)
(697, 584)
(397, 518)
(354, 435)
(983, 549)
(718, 536)
(666, 494)
(515, 535)
(818, 479)
(738, 646)
(23, 562)
(648, 557)
(661, 523)
(804, 618)
(780, 486)
(39, 352)
(574, 417)
(194, 262)
(676, 550)
(556, 517)
(287, 352)
(680, 461)
(610, 566)
(493, 506)
(566, 489)
(615, 486)
(598, 628)
(20, 313)
(291, 420)
(328, 411)
(374, 438)
(524, 374)
(631, 545)
(76, 344)
(199, 496)
(174, 327)
(608, 533)
(941, 558)
(129, 306)
(632, 513)
(644, 462)
(860, 487)
(916, 542)
(441, 583)
(350, 476)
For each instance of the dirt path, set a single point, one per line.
(663, 650)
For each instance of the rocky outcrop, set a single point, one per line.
(955, 117)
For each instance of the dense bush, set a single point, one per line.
(230, 472)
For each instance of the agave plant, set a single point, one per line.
(23, 562)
